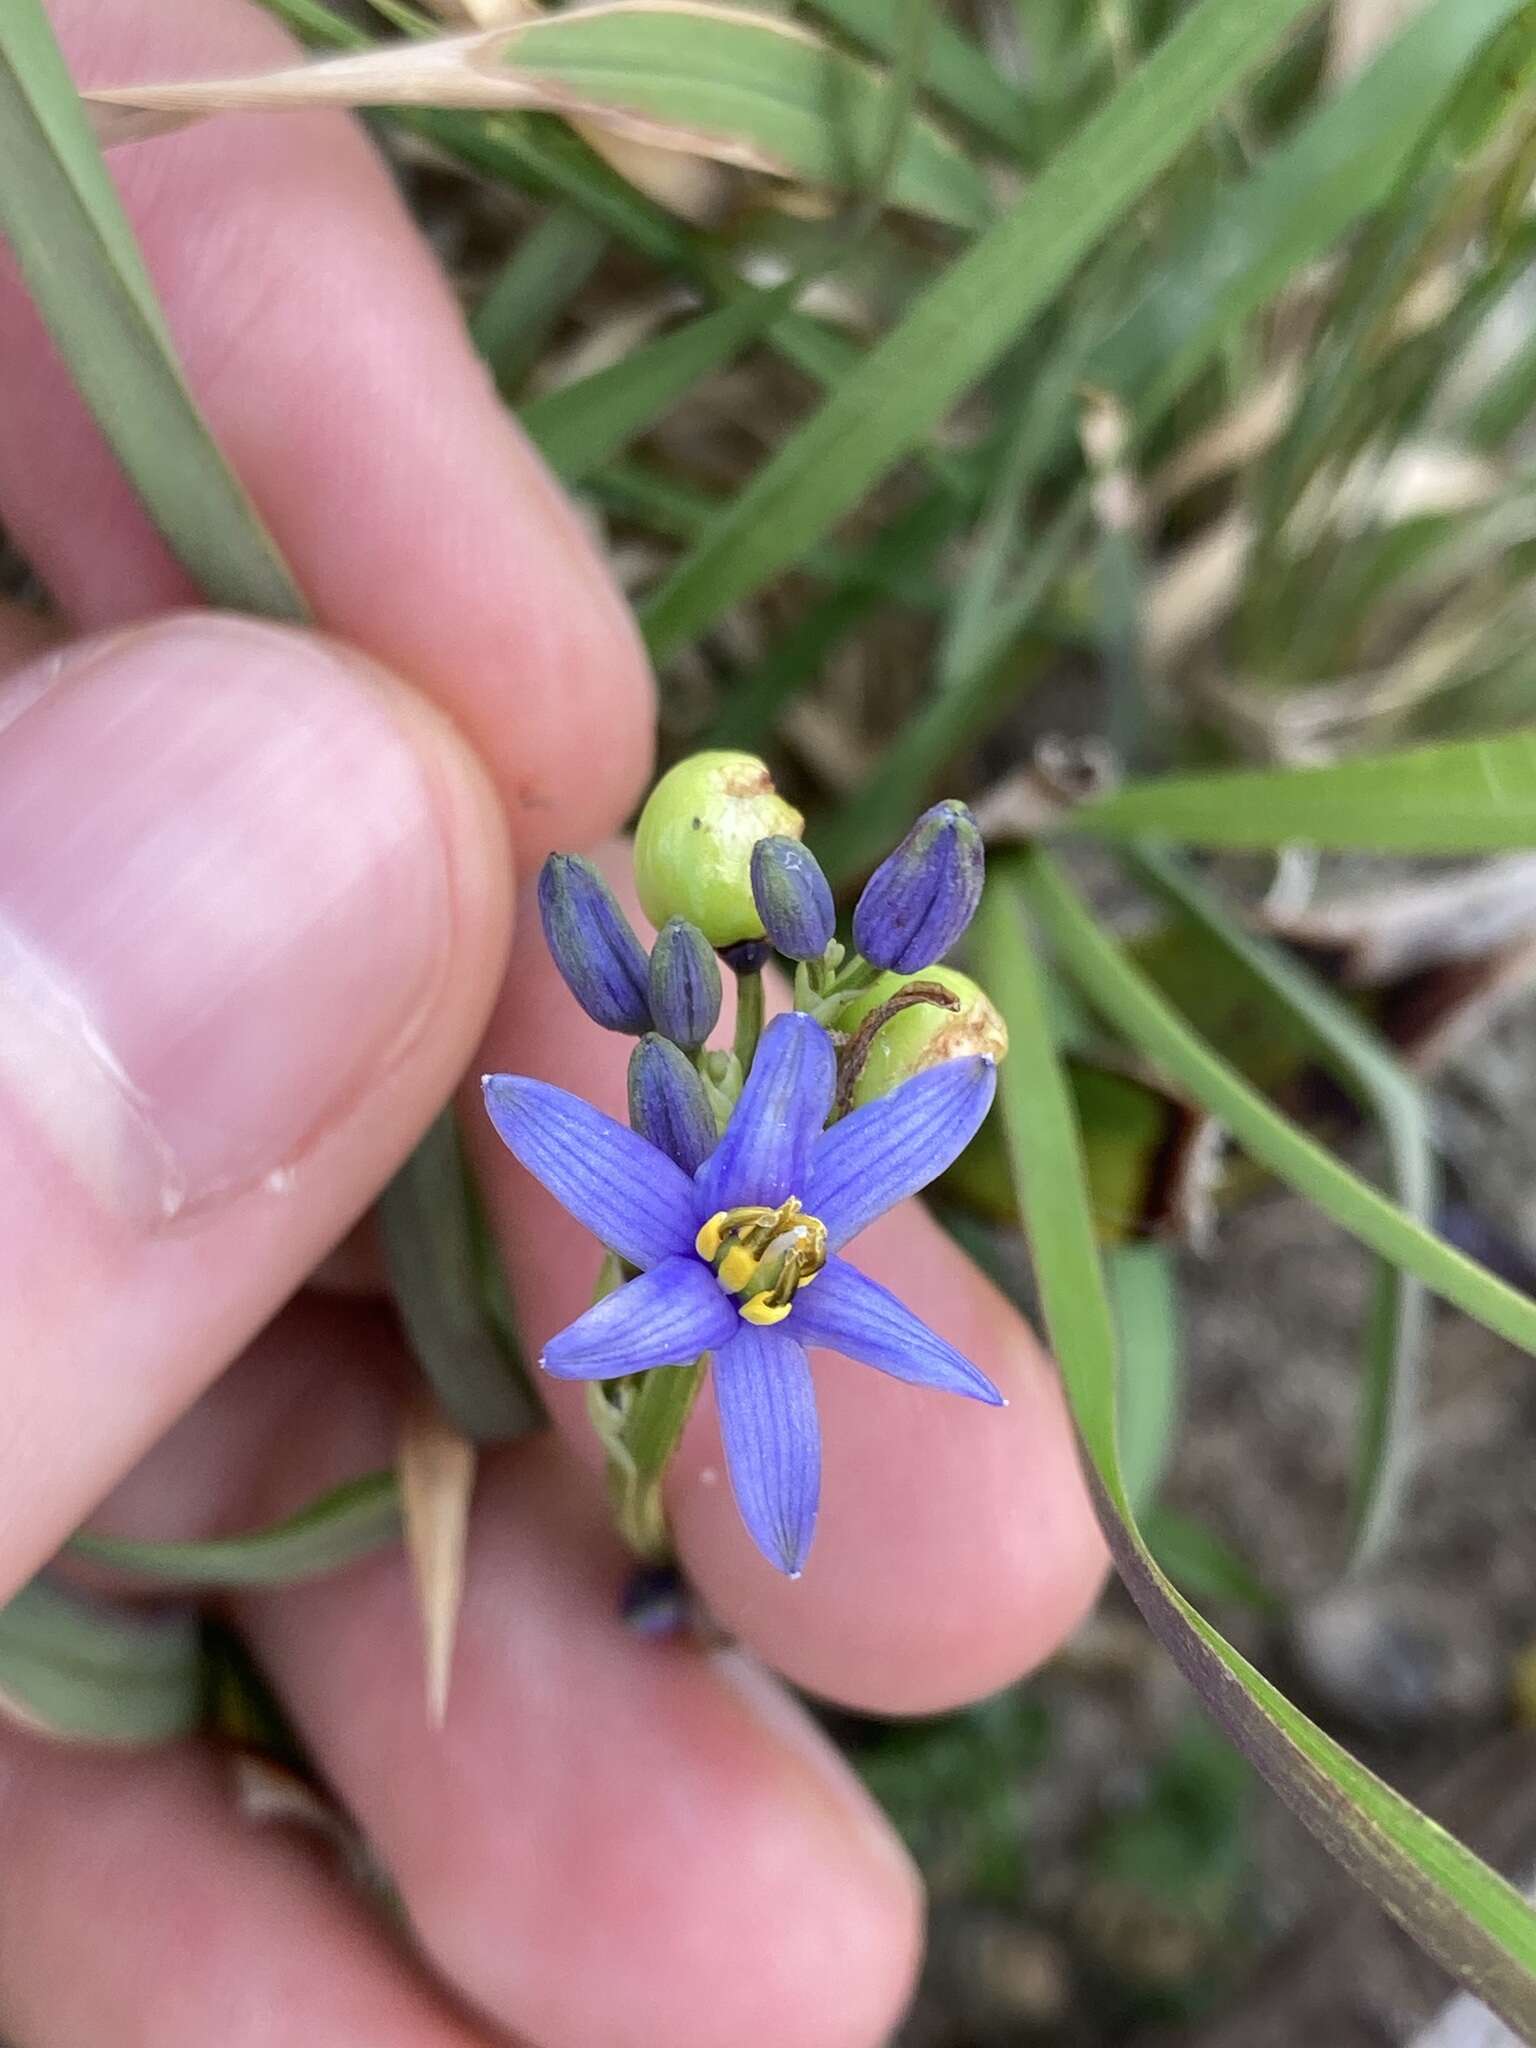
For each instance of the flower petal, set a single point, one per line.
(630, 1196)
(889, 1149)
(666, 1317)
(764, 1153)
(772, 1441)
(846, 1311)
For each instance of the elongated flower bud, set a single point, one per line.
(593, 944)
(694, 841)
(793, 898)
(912, 1040)
(667, 1103)
(921, 898)
(685, 984)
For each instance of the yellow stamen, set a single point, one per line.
(761, 1308)
(764, 1256)
(707, 1243)
(736, 1269)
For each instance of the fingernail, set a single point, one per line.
(224, 900)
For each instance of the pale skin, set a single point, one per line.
(609, 1841)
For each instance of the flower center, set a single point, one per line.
(764, 1255)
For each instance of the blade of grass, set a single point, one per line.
(1343, 161)
(62, 216)
(1201, 1565)
(1126, 999)
(522, 307)
(341, 1525)
(898, 556)
(1300, 201)
(954, 72)
(914, 27)
(877, 815)
(1143, 1294)
(740, 84)
(1366, 1069)
(958, 328)
(1453, 1905)
(584, 425)
(449, 1290)
(1466, 796)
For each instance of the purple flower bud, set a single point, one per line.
(921, 898)
(655, 1602)
(667, 1103)
(793, 898)
(591, 941)
(684, 984)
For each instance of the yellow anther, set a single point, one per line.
(764, 1256)
(707, 1243)
(761, 1308)
(742, 1225)
(736, 1270)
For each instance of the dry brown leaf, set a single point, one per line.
(691, 186)
(1194, 590)
(1230, 442)
(437, 1480)
(484, 13)
(446, 71)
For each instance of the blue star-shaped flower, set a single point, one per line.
(740, 1259)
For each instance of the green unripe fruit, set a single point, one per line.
(693, 845)
(923, 1036)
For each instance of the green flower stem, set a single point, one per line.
(851, 980)
(639, 1420)
(749, 1018)
(658, 1408)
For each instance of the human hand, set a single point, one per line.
(254, 898)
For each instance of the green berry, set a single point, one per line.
(924, 1035)
(693, 845)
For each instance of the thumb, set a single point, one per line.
(253, 905)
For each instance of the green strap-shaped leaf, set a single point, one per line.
(450, 1287)
(583, 425)
(77, 253)
(1459, 1910)
(1143, 1293)
(954, 70)
(1125, 998)
(516, 317)
(342, 1525)
(1368, 1070)
(960, 326)
(761, 91)
(1467, 796)
(99, 1674)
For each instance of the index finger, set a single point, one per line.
(324, 347)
